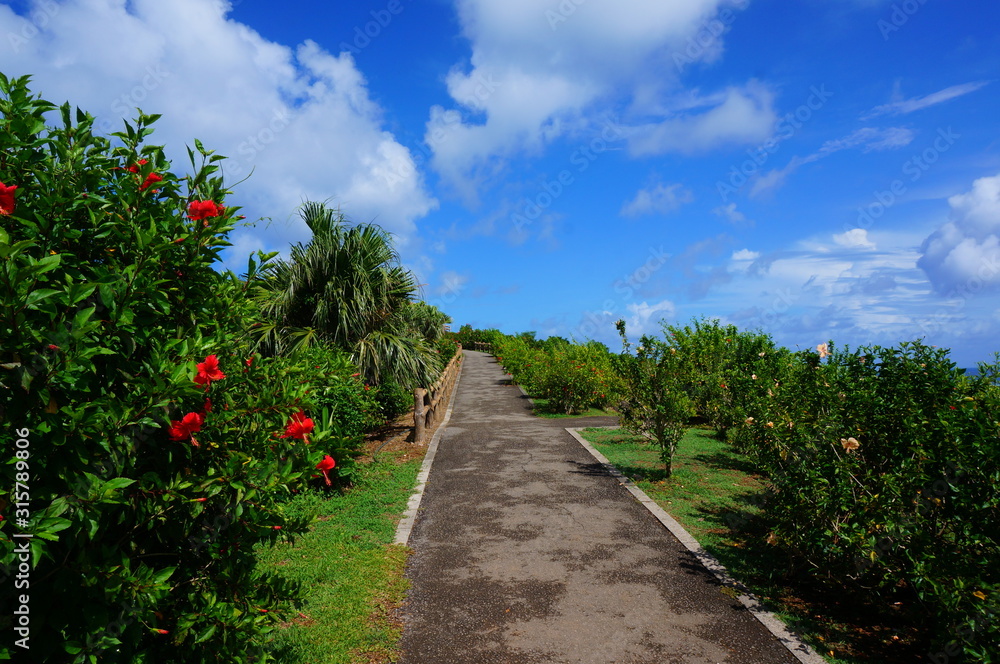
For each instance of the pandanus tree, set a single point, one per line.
(345, 287)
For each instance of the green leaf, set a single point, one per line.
(36, 296)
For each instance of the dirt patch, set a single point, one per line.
(393, 440)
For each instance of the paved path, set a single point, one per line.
(526, 550)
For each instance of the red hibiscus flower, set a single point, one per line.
(299, 427)
(204, 209)
(185, 428)
(150, 180)
(7, 199)
(209, 371)
(326, 465)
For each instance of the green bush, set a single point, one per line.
(885, 464)
(151, 472)
(654, 402)
(393, 400)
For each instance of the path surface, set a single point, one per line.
(526, 550)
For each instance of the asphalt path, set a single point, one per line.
(526, 550)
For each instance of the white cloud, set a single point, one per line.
(536, 74)
(963, 256)
(856, 238)
(867, 139)
(902, 106)
(300, 118)
(659, 199)
(740, 115)
(745, 255)
(645, 318)
(732, 215)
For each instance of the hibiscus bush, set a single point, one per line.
(158, 449)
(885, 464)
(654, 402)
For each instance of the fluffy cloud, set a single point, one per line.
(963, 256)
(856, 238)
(659, 199)
(537, 73)
(300, 119)
(736, 116)
(644, 318)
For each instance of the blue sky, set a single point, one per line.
(818, 169)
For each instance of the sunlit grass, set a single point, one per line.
(352, 572)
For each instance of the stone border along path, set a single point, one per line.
(526, 550)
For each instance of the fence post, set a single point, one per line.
(419, 418)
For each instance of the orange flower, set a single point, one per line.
(850, 444)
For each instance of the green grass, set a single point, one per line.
(716, 495)
(352, 572)
(540, 406)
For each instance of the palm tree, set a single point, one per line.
(345, 287)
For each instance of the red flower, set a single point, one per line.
(7, 199)
(150, 180)
(208, 406)
(185, 428)
(134, 168)
(209, 371)
(162, 631)
(200, 500)
(325, 466)
(204, 209)
(355, 375)
(299, 427)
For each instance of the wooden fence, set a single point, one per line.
(429, 406)
(482, 347)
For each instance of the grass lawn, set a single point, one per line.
(716, 495)
(542, 404)
(352, 573)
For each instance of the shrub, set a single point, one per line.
(393, 400)
(654, 403)
(885, 463)
(155, 458)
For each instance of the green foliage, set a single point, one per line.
(570, 377)
(347, 288)
(143, 530)
(885, 464)
(655, 403)
(393, 400)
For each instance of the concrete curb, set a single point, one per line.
(405, 526)
(790, 640)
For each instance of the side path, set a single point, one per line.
(526, 550)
